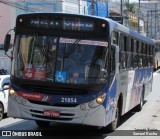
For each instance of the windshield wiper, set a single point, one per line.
(72, 49)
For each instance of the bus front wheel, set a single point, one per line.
(42, 123)
(1, 111)
(114, 124)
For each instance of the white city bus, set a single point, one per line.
(77, 69)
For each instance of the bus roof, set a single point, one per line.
(113, 24)
(125, 29)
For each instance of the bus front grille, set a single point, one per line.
(52, 118)
(56, 105)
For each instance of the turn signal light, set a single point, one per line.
(103, 95)
(100, 99)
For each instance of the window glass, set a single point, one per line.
(147, 49)
(144, 48)
(115, 37)
(132, 45)
(154, 51)
(112, 60)
(49, 58)
(129, 60)
(144, 60)
(125, 43)
(121, 43)
(151, 60)
(150, 50)
(135, 46)
(128, 44)
(139, 47)
(122, 60)
(140, 61)
(135, 60)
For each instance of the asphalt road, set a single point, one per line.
(147, 119)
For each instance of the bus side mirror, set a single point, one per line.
(7, 42)
(104, 73)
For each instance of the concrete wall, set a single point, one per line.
(5, 21)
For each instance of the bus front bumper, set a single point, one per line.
(73, 115)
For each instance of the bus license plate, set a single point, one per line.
(51, 113)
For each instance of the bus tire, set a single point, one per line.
(42, 123)
(1, 111)
(140, 105)
(114, 124)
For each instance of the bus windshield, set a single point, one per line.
(60, 59)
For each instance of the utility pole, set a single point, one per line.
(155, 20)
(92, 7)
(121, 11)
(155, 24)
(128, 18)
(147, 22)
(138, 16)
(79, 9)
(151, 23)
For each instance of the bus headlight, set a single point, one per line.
(11, 92)
(98, 101)
(94, 103)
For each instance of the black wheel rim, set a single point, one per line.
(141, 99)
(115, 123)
(1, 112)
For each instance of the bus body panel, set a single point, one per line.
(131, 84)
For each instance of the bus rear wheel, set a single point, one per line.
(42, 123)
(140, 105)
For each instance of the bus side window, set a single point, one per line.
(140, 56)
(122, 60)
(121, 43)
(150, 50)
(112, 59)
(151, 60)
(135, 55)
(147, 49)
(128, 45)
(122, 55)
(129, 61)
(129, 57)
(154, 51)
(115, 38)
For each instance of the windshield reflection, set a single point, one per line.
(63, 60)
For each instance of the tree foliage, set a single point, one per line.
(131, 7)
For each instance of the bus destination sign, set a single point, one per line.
(65, 24)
